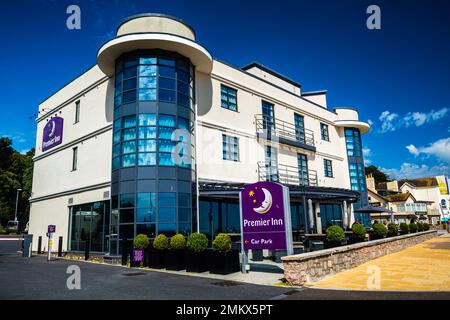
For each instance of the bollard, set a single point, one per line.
(87, 248)
(124, 252)
(39, 251)
(60, 243)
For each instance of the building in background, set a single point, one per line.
(159, 137)
(425, 199)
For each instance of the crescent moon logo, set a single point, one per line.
(52, 128)
(266, 204)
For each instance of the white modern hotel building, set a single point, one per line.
(159, 137)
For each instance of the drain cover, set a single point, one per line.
(133, 274)
(226, 283)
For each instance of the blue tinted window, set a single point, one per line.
(166, 120)
(129, 84)
(167, 199)
(129, 96)
(147, 94)
(147, 82)
(117, 137)
(166, 145)
(126, 231)
(165, 133)
(129, 160)
(166, 214)
(167, 72)
(128, 122)
(128, 134)
(184, 199)
(129, 73)
(183, 123)
(129, 147)
(147, 145)
(147, 71)
(126, 200)
(168, 229)
(126, 216)
(184, 214)
(184, 228)
(147, 159)
(147, 132)
(166, 83)
(228, 98)
(147, 199)
(116, 163)
(167, 62)
(147, 119)
(166, 95)
(145, 215)
(147, 229)
(145, 60)
(165, 159)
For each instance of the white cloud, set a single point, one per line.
(412, 170)
(439, 149)
(387, 120)
(367, 152)
(392, 121)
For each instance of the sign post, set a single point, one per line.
(265, 219)
(50, 231)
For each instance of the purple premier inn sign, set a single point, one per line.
(266, 217)
(53, 133)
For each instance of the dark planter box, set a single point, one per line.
(157, 259)
(223, 262)
(257, 255)
(175, 260)
(196, 261)
(334, 244)
(376, 237)
(355, 239)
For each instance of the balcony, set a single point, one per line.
(284, 132)
(287, 175)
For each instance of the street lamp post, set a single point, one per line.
(17, 202)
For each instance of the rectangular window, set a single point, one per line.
(302, 160)
(271, 163)
(228, 98)
(324, 132)
(299, 127)
(230, 148)
(328, 168)
(268, 116)
(74, 158)
(77, 111)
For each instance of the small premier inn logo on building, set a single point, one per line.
(53, 132)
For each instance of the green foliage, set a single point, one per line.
(222, 242)
(197, 242)
(413, 227)
(16, 172)
(141, 241)
(380, 229)
(392, 229)
(419, 227)
(378, 175)
(178, 242)
(2, 230)
(426, 227)
(161, 242)
(335, 233)
(404, 227)
(359, 230)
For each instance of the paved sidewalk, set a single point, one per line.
(423, 267)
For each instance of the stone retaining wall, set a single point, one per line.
(310, 267)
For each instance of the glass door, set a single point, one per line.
(302, 160)
(268, 116)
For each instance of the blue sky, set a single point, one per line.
(398, 77)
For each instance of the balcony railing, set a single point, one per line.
(286, 175)
(284, 132)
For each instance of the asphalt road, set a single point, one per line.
(35, 278)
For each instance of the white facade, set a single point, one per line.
(57, 187)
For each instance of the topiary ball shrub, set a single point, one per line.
(197, 242)
(392, 229)
(404, 228)
(335, 234)
(359, 230)
(426, 227)
(413, 227)
(380, 230)
(419, 227)
(141, 241)
(161, 242)
(222, 242)
(178, 242)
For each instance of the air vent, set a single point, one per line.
(70, 201)
(106, 195)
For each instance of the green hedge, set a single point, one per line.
(413, 227)
(379, 229)
(335, 233)
(197, 242)
(359, 230)
(404, 228)
(392, 229)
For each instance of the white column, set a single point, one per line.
(351, 215)
(317, 216)
(311, 215)
(344, 215)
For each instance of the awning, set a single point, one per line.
(370, 209)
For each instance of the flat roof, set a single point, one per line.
(271, 71)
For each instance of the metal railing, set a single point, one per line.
(274, 127)
(286, 174)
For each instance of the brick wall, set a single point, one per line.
(310, 267)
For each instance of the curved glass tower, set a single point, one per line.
(152, 63)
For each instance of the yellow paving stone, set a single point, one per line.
(423, 267)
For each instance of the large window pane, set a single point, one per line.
(168, 229)
(166, 83)
(129, 147)
(146, 199)
(126, 216)
(167, 72)
(145, 215)
(147, 145)
(147, 159)
(147, 132)
(129, 84)
(127, 200)
(166, 145)
(147, 70)
(147, 119)
(129, 96)
(147, 94)
(147, 82)
(167, 199)
(166, 120)
(126, 231)
(147, 60)
(128, 134)
(165, 133)
(129, 160)
(166, 95)
(147, 229)
(165, 159)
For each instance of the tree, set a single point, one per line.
(16, 172)
(378, 175)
